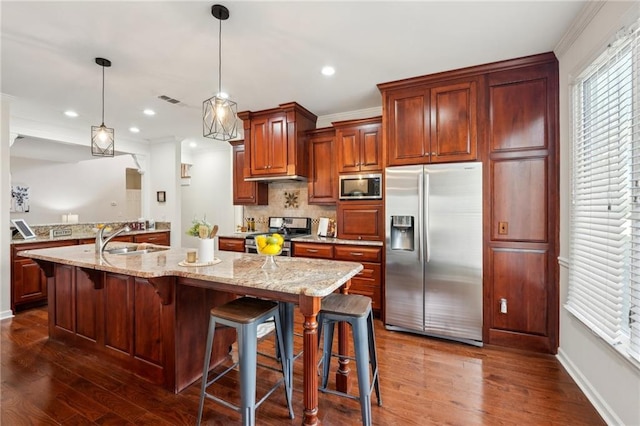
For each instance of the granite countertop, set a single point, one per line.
(295, 275)
(327, 240)
(311, 239)
(80, 236)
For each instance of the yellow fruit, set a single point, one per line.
(261, 241)
(271, 249)
(273, 241)
(279, 238)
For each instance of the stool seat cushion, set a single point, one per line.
(353, 305)
(243, 310)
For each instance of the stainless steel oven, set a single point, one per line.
(288, 227)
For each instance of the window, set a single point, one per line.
(604, 264)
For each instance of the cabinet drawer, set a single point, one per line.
(160, 238)
(323, 251)
(370, 273)
(231, 244)
(358, 253)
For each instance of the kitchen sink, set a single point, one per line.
(137, 249)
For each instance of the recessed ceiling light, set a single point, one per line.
(328, 70)
(149, 112)
(193, 144)
(71, 113)
(134, 130)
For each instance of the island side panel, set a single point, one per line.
(193, 307)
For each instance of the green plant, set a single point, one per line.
(194, 230)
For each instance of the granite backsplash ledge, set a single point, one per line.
(288, 199)
(83, 229)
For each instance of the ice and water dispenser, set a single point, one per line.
(402, 228)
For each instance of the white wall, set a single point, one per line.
(611, 382)
(86, 188)
(210, 192)
(5, 235)
(164, 174)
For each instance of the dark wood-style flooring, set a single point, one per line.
(424, 382)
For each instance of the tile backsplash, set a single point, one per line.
(288, 199)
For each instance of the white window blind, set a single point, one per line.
(604, 271)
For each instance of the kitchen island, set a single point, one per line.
(151, 315)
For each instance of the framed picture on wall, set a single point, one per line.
(161, 196)
(19, 199)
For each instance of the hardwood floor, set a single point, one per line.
(423, 381)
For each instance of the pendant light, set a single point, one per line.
(102, 136)
(219, 118)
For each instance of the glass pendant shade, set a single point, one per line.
(220, 118)
(102, 141)
(219, 114)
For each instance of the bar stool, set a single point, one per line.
(355, 310)
(244, 314)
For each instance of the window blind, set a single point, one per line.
(604, 271)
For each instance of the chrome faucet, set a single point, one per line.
(101, 242)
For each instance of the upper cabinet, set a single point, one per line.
(359, 145)
(430, 122)
(323, 175)
(275, 142)
(246, 193)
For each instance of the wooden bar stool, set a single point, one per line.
(244, 314)
(355, 310)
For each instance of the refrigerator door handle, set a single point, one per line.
(427, 243)
(420, 216)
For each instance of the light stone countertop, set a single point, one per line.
(327, 240)
(295, 275)
(82, 236)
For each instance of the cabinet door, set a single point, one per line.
(360, 221)
(278, 144)
(29, 283)
(408, 129)
(347, 142)
(260, 146)
(323, 182)
(370, 148)
(246, 193)
(454, 135)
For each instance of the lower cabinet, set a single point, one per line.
(231, 244)
(28, 283)
(368, 282)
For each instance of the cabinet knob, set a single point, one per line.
(434, 154)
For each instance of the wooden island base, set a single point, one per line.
(153, 327)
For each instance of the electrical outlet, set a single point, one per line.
(503, 228)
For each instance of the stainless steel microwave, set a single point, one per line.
(361, 187)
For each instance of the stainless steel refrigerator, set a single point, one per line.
(434, 250)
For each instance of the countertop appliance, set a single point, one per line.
(434, 250)
(288, 227)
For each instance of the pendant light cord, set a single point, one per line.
(220, 57)
(103, 95)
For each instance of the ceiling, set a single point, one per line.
(272, 53)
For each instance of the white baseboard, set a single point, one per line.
(608, 415)
(6, 314)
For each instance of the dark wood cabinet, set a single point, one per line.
(359, 145)
(430, 121)
(246, 193)
(231, 244)
(522, 208)
(28, 282)
(368, 282)
(360, 220)
(159, 238)
(275, 141)
(323, 176)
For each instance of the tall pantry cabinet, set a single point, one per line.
(521, 298)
